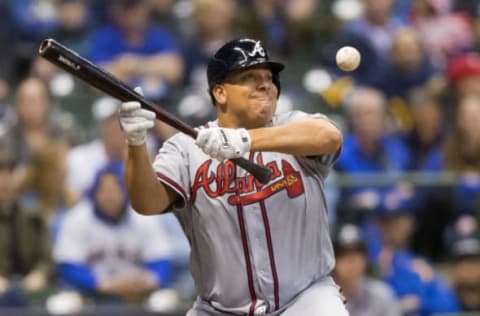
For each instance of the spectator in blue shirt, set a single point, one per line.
(74, 24)
(462, 153)
(368, 148)
(136, 51)
(364, 294)
(32, 20)
(428, 129)
(408, 66)
(424, 141)
(419, 287)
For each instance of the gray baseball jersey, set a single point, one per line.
(254, 247)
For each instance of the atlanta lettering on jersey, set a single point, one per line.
(246, 190)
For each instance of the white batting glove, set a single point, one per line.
(135, 121)
(223, 143)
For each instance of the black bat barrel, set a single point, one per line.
(85, 70)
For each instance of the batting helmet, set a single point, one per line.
(240, 54)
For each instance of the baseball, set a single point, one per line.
(348, 58)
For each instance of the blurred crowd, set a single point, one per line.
(404, 196)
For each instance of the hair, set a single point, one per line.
(455, 157)
(45, 178)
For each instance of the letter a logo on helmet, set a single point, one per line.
(257, 50)
(240, 54)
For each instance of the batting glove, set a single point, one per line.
(223, 143)
(135, 121)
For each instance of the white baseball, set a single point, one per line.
(348, 58)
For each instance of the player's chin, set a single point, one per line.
(264, 115)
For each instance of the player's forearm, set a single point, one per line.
(304, 137)
(147, 195)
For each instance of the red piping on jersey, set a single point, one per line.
(246, 254)
(268, 236)
(247, 259)
(174, 184)
(271, 254)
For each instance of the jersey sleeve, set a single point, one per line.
(171, 167)
(325, 161)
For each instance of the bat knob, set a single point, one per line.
(45, 45)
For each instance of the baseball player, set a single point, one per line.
(255, 249)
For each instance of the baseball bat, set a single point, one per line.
(93, 75)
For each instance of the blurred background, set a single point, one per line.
(404, 197)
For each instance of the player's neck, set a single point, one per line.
(235, 122)
(228, 121)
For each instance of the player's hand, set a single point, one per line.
(135, 121)
(223, 143)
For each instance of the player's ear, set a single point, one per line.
(220, 94)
